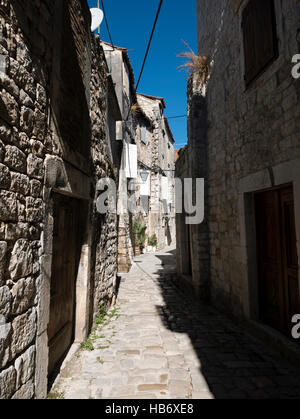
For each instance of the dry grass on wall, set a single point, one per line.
(197, 65)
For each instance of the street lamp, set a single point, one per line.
(144, 175)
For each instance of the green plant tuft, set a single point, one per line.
(87, 345)
(56, 396)
(139, 232)
(153, 241)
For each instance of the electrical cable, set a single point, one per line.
(149, 43)
(169, 117)
(106, 22)
(176, 117)
(148, 47)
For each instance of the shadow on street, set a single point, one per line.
(234, 364)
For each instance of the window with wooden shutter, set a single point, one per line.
(260, 37)
(144, 134)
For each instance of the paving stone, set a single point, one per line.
(141, 396)
(153, 378)
(128, 364)
(152, 387)
(178, 387)
(136, 380)
(129, 352)
(120, 391)
(198, 354)
(102, 382)
(202, 395)
(179, 374)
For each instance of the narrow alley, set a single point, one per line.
(157, 344)
(149, 188)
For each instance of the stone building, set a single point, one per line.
(244, 139)
(123, 80)
(156, 161)
(146, 144)
(192, 239)
(58, 256)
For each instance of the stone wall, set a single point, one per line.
(105, 230)
(24, 142)
(162, 164)
(183, 245)
(193, 257)
(124, 96)
(252, 135)
(52, 140)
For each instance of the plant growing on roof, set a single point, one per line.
(197, 65)
(136, 109)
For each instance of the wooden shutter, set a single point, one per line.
(164, 188)
(249, 42)
(131, 161)
(69, 101)
(266, 33)
(145, 203)
(260, 38)
(143, 134)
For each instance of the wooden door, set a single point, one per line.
(277, 258)
(189, 252)
(290, 256)
(66, 242)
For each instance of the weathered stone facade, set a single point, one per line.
(53, 81)
(123, 80)
(249, 141)
(106, 163)
(192, 251)
(157, 156)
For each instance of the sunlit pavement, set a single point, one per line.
(161, 344)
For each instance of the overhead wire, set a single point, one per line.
(148, 47)
(106, 22)
(149, 43)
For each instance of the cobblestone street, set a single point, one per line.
(158, 344)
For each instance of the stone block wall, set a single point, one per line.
(157, 221)
(24, 140)
(183, 261)
(105, 230)
(249, 130)
(44, 149)
(193, 257)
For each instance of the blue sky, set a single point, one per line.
(131, 24)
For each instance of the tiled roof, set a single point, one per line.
(155, 98)
(127, 60)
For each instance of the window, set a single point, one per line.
(131, 161)
(126, 79)
(69, 86)
(145, 204)
(144, 134)
(260, 37)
